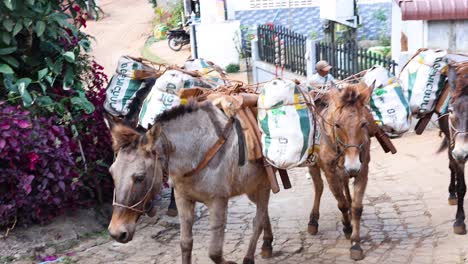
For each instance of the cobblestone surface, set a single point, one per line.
(406, 219)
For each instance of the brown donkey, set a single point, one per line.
(176, 145)
(455, 128)
(344, 154)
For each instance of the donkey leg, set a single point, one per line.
(459, 227)
(452, 200)
(360, 184)
(186, 217)
(336, 188)
(261, 198)
(172, 208)
(267, 247)
(315, 214)
(218, 214)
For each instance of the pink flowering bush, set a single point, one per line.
(54, 146)
(43, 169)
(38, 176)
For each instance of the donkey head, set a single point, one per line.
(348, 110)
(458, 109)
(138, 175)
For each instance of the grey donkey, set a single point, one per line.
(174, 146)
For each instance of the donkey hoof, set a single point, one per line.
(229, 262)
(459, 228)
(266, 253)
(248, 261)
(312, 229)
(171, 212)
(347, 230)
(452, 200)
(356, 252)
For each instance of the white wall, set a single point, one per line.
(235, 5)
(449, 35)
(211, 11)
(415, 31)
(396, 31)
(216, 43)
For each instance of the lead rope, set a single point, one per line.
(133, 207)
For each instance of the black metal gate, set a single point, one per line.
(294, 47)
(348, 59)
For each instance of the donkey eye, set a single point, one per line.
(364, 124)
(337, 125)
(139, 178)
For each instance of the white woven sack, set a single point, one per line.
(286, 123)
(123, 86)
(422, 80)
(155, 103)
(171, 81)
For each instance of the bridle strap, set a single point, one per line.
(214, 149)
(134, 207)
(165, 168)
(338, 142)
(454, 132)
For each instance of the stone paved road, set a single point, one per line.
(406, 219)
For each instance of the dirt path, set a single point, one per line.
(123, 30)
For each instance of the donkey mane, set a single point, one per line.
(351, 95)
(461, 82)
(180, 110)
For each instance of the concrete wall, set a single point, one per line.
(211, 11)
(306, 21)
(235, 5)
(215, 42)
(448, 35)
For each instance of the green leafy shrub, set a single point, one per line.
(231, 68)
(41, 49)
(176, 15)
(52, 95)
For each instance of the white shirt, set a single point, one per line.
(316, 79)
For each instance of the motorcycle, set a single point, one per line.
(177, 38)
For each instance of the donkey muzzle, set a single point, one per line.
(352, 166)
(460, 155)
(121, 233)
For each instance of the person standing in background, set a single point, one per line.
(322, 76)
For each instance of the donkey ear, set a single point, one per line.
(366, 91)
(123, 136)
(333, 93)
(151, 136)
(333, 87)
(111, 120)
(452, 77)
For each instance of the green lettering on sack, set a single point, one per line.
(430, 85)
(266, 130)
(411, 81)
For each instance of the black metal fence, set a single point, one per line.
(348, 59)
(294, 47)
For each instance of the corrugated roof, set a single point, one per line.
(433, 9)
